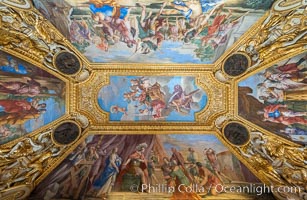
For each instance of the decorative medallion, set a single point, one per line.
(236, 133)
(236, 64)
(67, 63)
(66, 133)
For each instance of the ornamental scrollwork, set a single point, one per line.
(282, 32)
(25, 161)
(279, 163)
(22, 164)
(27, 32)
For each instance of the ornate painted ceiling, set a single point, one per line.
(197, 99)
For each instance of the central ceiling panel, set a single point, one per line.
(166, 98)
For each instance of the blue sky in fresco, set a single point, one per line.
(53, 111)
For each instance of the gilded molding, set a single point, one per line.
(280, 163)
(282, 32)
(216, 105)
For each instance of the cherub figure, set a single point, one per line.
(116, 109)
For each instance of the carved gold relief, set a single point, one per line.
(280, 163)
(28, 33)
(281, 32)
(24, 162)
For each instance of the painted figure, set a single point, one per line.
(211, 156)
(137, 163)
(295, 70)
(16, 111)
(177, 156)
(152, 162)
(107, 178)
(179, 159)
(203, 27)
(31, 88)
(182, 181)
(166, 170)
(211, 182)
(4, 131)
(180, 99)
(281, 114)
(192, 158)
(294, 131)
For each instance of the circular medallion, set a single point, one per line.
(236, 64)
(66, 133)
(67, 63)
(236, 133)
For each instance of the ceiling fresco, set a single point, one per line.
(161, 100)
(87, 170)
(153, 31)
(278, 96)
(29, 98)
(151, 98)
